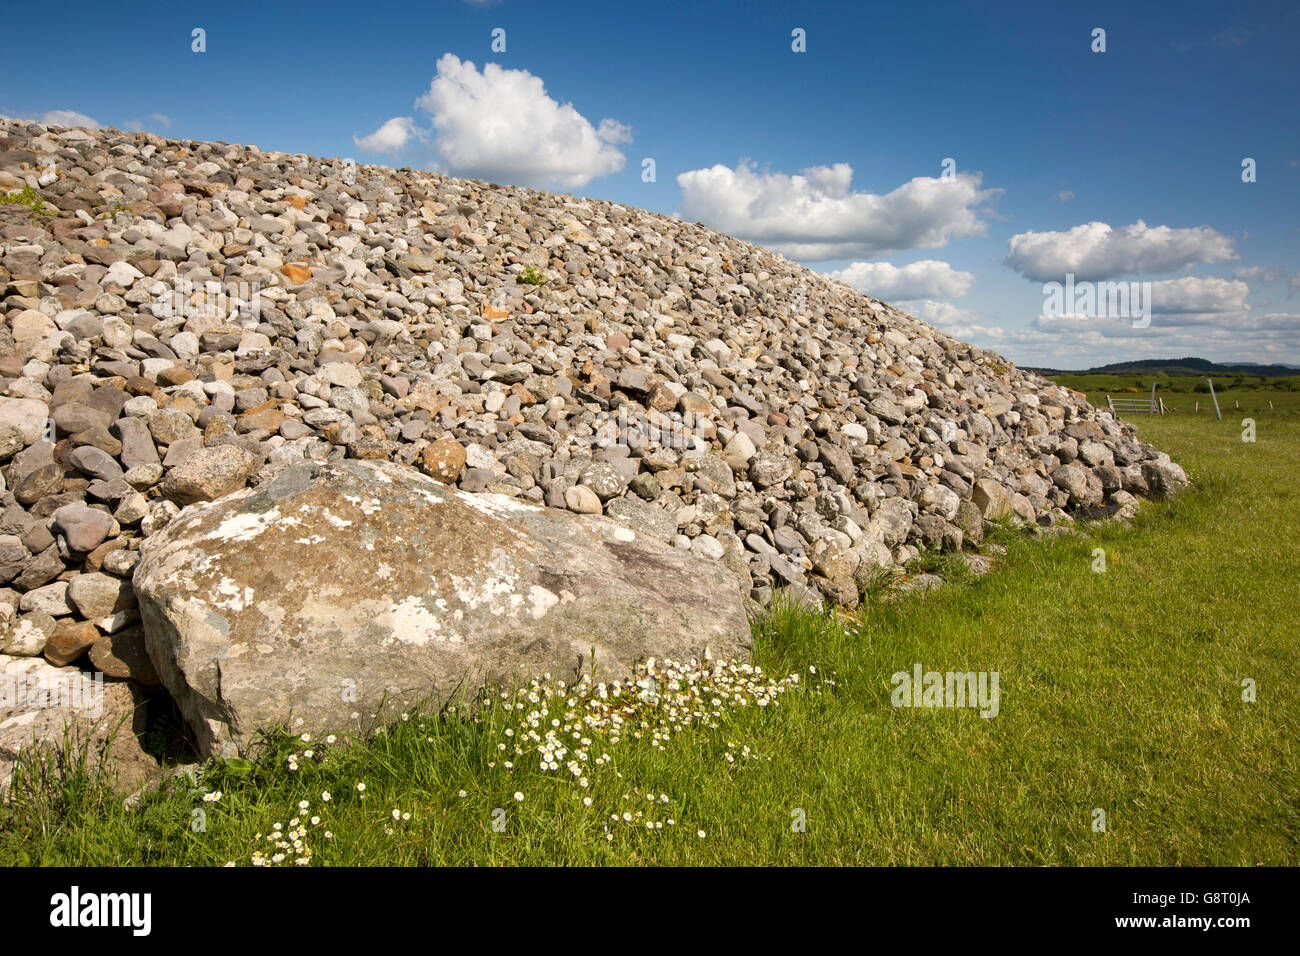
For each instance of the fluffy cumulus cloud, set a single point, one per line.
(1169, 303)
(502, 125)
(1195, 296)
(927, 279)
(391, 137)
(69, 118)
(816, 216)
(1096, 250)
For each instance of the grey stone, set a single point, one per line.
(209, 473)
(456, 591)
(83, 527)
(99, 595)
(95, 462)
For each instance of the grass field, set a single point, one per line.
(1120, 691)
(1184, 392)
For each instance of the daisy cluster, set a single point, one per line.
(556, 724)
(291, 845)
(569, 731)
(651, 815)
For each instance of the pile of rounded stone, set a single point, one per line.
(183, 318)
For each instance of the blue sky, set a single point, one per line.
(1116, 165)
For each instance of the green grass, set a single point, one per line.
(27, 197)
(1119, 691)
(532, 276)
(1232, 402)
(1138, 385)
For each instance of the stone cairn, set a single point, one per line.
(184, 319)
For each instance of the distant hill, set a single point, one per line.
(1181, 366)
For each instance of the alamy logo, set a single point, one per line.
(74, 909)
(672, 430)
(218, 300)
(37, 692)
(952, 689)
(1098, 300)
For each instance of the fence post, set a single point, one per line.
(1153, 398)
(1216, 399)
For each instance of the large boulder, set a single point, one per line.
(307, 601)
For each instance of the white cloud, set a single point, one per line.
(390, 137)
(501, 125)
(1083, 342)
(69, 118)
(814, 216)
(927, 279)
(1077, 342)
(1293, 285)
(612, 131)
(1187, 301)
(1275, 321)
(1260, 273)
(1235, 322)
(1191, 295)
(1065, 195)
(1095, 251)
(964, 324)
